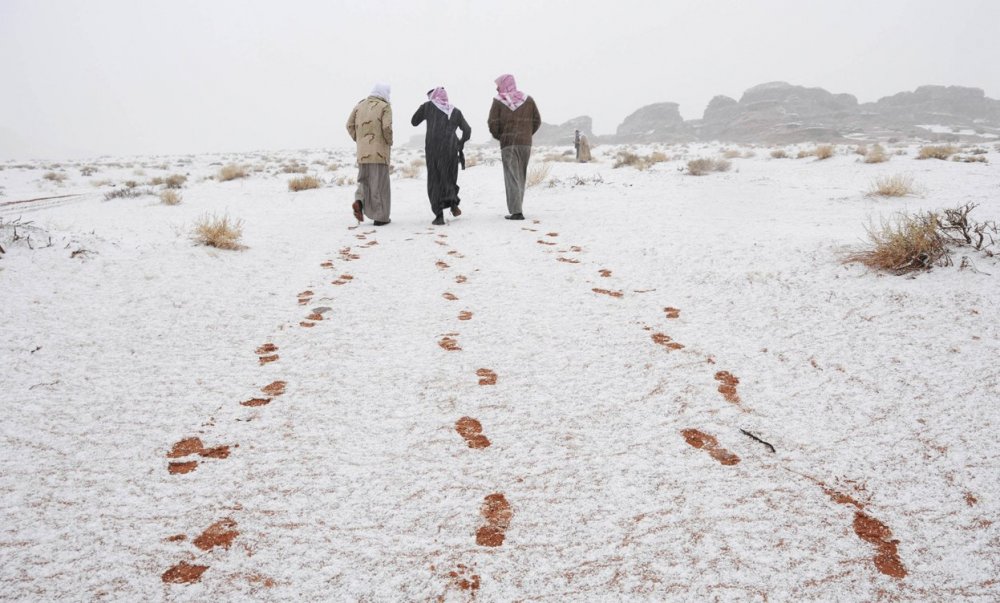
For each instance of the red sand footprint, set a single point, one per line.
(305, 297)
(672, 312)
(498, 514)
(188, 447)
(608, 292)
(486, 376)
(465, 315)
(463, 579)
(183, 573)
(441, 265)
(221, 533)
(307, 324)
(665, 340)
(709, 444)
(449, 296)
(877, 533)
(472, 431)
(449, 344)
(460, 279)
(728, 385)
(266, 353)
(567, 260)
(552, 234)
(604, 272)
(275, 388)
(541, 242)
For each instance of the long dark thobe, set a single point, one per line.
(442, 147)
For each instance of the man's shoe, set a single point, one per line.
(377, 223)
(357, 211)
(455, 211)
(514, 217)
(438, 221)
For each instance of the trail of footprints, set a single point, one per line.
(866, 527)
(496, 511)
(185, 455)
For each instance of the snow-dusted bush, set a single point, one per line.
(876, 155)
(907, 243)
(700, 167)
(537, 173)
(231, 172)
(220, 232)
(898, 185)
(823, 151)
(170, 197)
(936, 152)
(303, 183)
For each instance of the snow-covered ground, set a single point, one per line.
(122, 338)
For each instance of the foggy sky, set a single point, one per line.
(179, 76)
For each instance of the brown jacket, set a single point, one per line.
(514, 127)
(370, 125)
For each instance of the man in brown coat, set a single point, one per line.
(370, 126)
(513, 120)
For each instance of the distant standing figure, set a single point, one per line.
(576, 143)
(443, 151)
(513, 120)
(583, 152)
(370, 126)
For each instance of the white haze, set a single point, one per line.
(117, 76)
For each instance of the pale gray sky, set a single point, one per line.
(158, 76)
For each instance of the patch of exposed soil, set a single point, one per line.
(221, 533)
(177, 538)
(472, 431)
(268, 359)
(970, 499)
(315, 316)
(552, 234)
(672, 312)
(460, 279)
(267, 348)
(608, 292)
(304, 298)
(465, 315)
(449, 344)
(185, 447)
(576, 248)
(486, 376)
(464, 579)
(568, 260)
(728, 385)
(541, 242)
(498, 513)
(183, 573)
(307, 324)
(256, 402)
(441, 265)
(604, 272)
(219, 452)
(665, 340)
(182, 467)
(449, 296)
(326, 264)
(456, 254)
(709, 444)
(875, 532)
(275, 388)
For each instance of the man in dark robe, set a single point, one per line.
(443, 150)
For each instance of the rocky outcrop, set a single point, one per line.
(563, 134)
(779, 112)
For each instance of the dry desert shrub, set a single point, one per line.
(54, 177)
(170, 197)
(700, 167)
(823, 151)
(779, 154)
(941, 152)
(861, 150)
(127, 192)
(219, 232)
(908, 243)
(657, 157)
(294, 168)
(303, 183)
(155, 181)
(732, 154)
(88, 170)
(472, 161)
(345, 181)
(639, 162)
(970, 158)
(803, 153)
(876, 155)
(412, 170)
(231, 172)
(898, 185)
(100, 183)
(175, 180)
(538, 173)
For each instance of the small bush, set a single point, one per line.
(861, 150)
(88, 170)
(779, 154)
(731, 154)
(898, 185)
(911, 242)
(155, 181)
(626, 158)
(54, 177)
(823, 151)
(219, 232)
(804, 153)
(970, 158)
(876, 155)
(657, 157)
(175, 180)
(126, 192)
(231, 172)
(345, 181)
(303, 183)
(538, 173)
(700, 167)
(100, 183)
(294, 168)
(170, 197)
(941, 152)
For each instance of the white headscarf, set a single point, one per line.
(381, 90)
